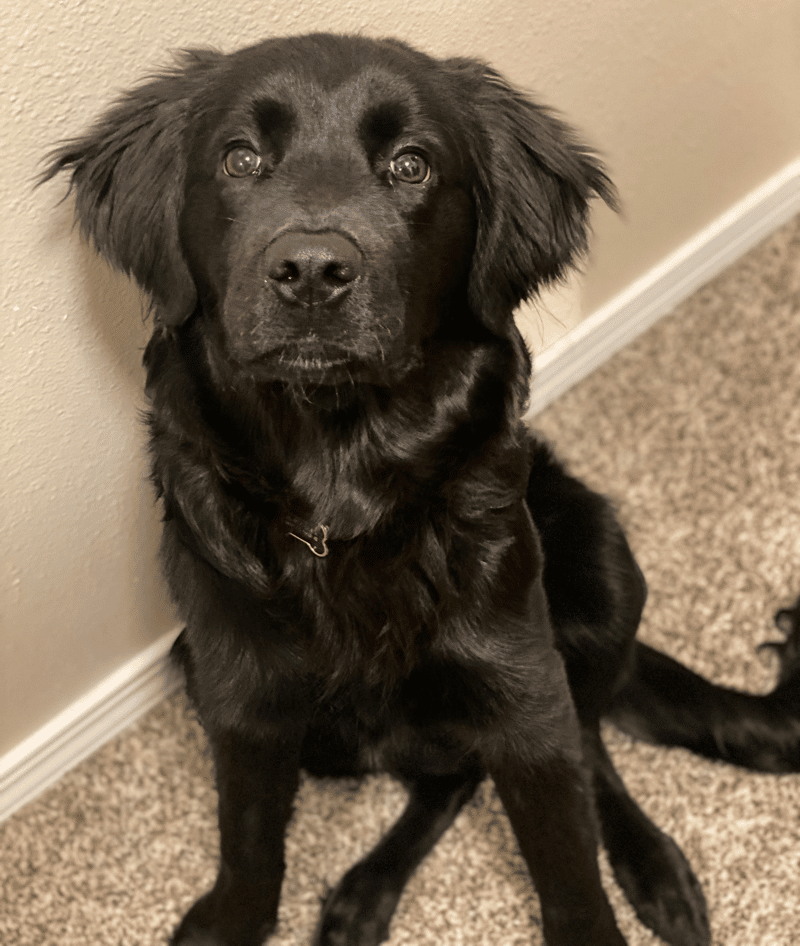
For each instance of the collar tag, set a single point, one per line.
(315, 539)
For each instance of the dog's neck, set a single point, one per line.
(339, 460)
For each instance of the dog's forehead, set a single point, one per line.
(324, 79)
(329, 100)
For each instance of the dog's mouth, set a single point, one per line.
(308, 362)
(319, 363)
(314, 360)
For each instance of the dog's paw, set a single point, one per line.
(357, 912)
(213, 923)
(197, 938)
(663, 890)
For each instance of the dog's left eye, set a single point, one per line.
(410, 168)
(241, 161)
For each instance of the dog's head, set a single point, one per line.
(329, 203)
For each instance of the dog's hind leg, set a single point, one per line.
(359, 909)
(664, 702)
(648, 865)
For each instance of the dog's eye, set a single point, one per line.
(410, 168)
(241, 161)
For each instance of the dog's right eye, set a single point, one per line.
(241, 161)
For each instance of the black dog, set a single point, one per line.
(377, 565)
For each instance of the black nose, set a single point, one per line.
(312, 268)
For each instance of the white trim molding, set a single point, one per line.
(598, 337)
(144, 681)
(119, 700)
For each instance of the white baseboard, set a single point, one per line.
(641, 304)
(41, 759)
(144, 681)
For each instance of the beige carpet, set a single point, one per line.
(695, 432)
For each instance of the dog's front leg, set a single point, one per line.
(536, 760)
(257, 781)
(549, 810)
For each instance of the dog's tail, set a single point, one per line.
(664, 702)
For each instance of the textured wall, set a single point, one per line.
(694, 102)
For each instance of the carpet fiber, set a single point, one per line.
(694, 431)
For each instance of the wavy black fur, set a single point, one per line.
(334, 233)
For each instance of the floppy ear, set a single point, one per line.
(535, 183)
(128, 175)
